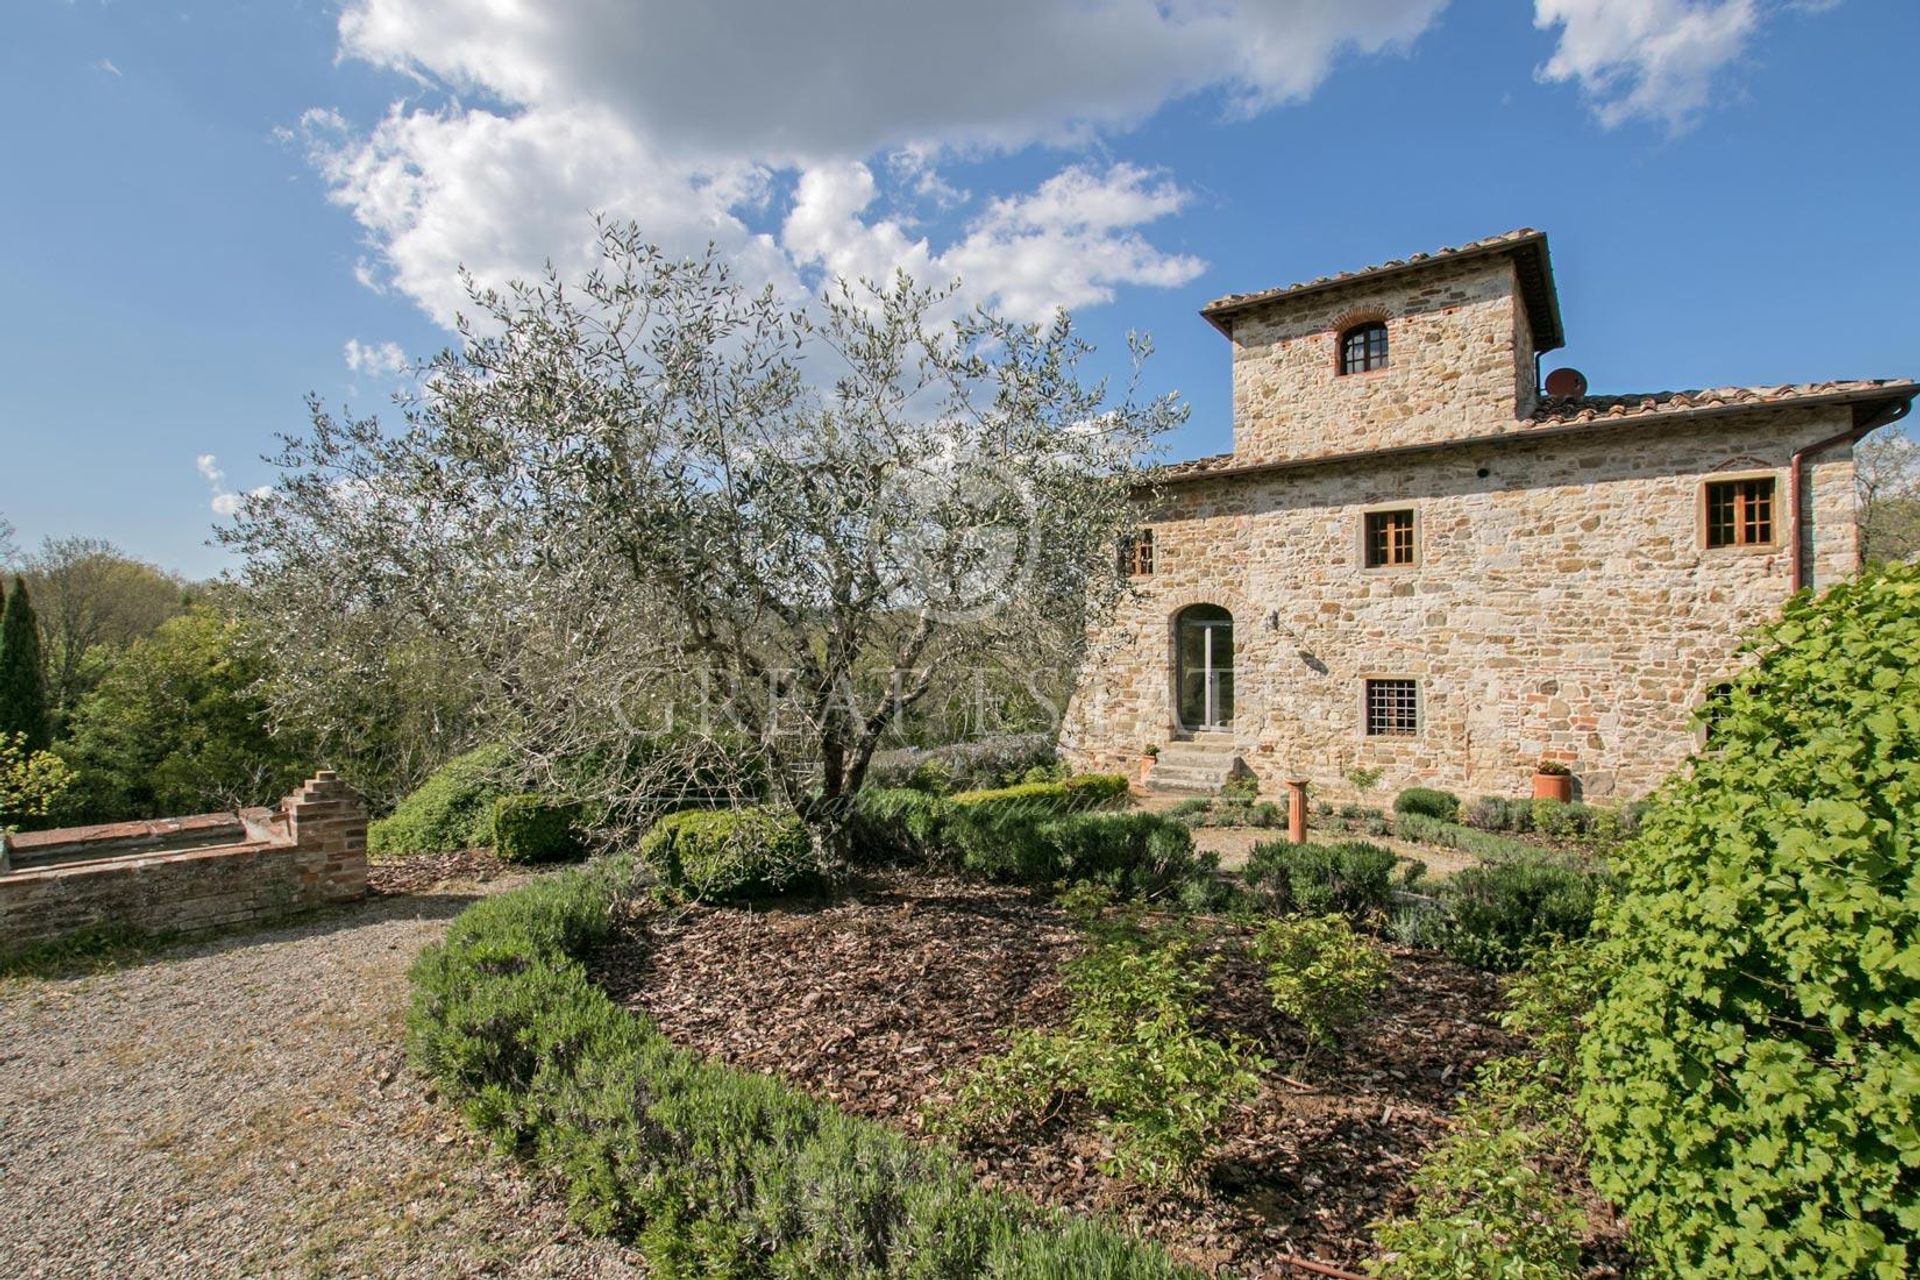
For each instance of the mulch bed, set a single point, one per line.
(873, 998)
(424, 872)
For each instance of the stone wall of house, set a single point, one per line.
(311, 852)
(1564, 605)
(1459, 363)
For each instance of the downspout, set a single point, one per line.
(1861, 428)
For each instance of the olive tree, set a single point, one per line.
(656, 511)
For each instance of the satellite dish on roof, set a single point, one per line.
(1569, 384)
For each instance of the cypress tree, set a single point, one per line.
(23, 676)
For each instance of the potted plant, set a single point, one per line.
(1553, 780)
(1148, 754)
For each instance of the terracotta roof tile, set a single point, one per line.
(1581, 411)
(1556, 412)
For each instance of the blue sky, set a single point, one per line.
(213, 208)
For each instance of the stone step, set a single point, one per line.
(1178, 773)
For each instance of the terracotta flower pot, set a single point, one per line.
(1553, 786)
(1146, 767)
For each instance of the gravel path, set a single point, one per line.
(242, 1108)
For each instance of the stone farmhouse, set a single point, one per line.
(1420, 560)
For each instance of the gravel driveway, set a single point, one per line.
(241, 1108)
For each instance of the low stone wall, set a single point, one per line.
(182, 875)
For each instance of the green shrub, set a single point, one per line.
(451, 810)
(1428, 802)
(1497, 813)
(1192, 811)
(1497, 1196)
(1497, 913)
(710, 1171)
(1752, 1076)
(1243, 787)
(1451, 835)
(983, 762)
(996, 832)
(1094, 790)
(532, 828)
(718, 855)
(897, 824)
(1158, 1087)
(932, 776)
(1320, 973)
(1353, 877)
(1135, 854)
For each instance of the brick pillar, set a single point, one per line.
(327, 823)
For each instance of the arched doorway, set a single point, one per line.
(1203, 666)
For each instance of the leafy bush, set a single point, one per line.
(1135, 854)
(1497, 913)
(1092, 790)
(1352, 877)
(1158, 1087)
(981, 763)
(1451, 835)
(1320, 973)
(718, 855)
(996, 832)
(897, 823)
(1495, 1198)
(1428, 802)
(1752, 1076)
(711, 1171)
(532, 828)
(451, 810)
(1240, 786)
(32, 783)
(1497, 813)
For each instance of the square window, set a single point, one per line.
(1389, 539)
(1740, 513)
(1393, 708)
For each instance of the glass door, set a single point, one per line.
(1203, 649)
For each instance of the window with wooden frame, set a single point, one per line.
(1136, 554)
(1387, 539)
(1363, 347)
(1393, 708)
(1740, 512)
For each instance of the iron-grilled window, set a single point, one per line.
(1393, 708)
(1136, 553)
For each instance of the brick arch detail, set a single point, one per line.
(1232, 601)
(1359, 315)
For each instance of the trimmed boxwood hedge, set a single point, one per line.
(709, 1170)
(450, 811)
(718, 855)
(532, 828)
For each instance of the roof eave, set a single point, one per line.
(1537, 290)
(1898, 393)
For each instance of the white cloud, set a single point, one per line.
(106, 65)
(225, 501)
(381, 360)
(688, 117)
(1651, 59)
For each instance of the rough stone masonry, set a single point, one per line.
(1577, 575)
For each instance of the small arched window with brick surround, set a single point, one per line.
(1363, 346)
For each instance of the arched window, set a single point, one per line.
(1363, 347)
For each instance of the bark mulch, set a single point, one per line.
(873, 998)
(428, 872)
